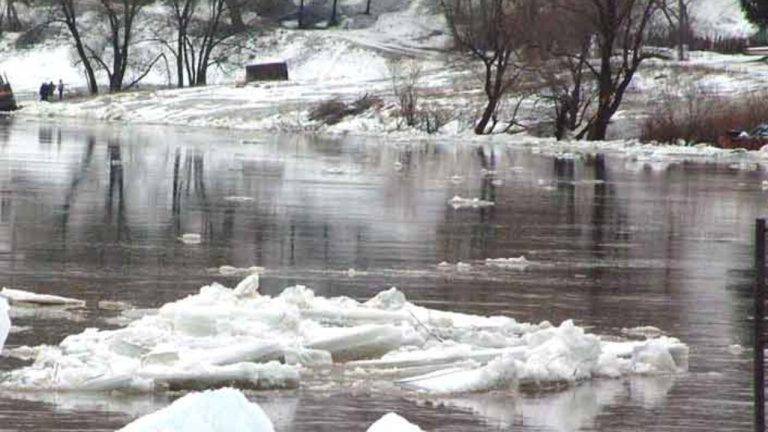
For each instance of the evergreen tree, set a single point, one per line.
(757, 11)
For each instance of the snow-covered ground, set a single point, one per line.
(346, 64)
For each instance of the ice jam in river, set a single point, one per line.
(239, 337)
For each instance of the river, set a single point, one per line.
(95, 211)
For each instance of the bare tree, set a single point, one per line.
(500, 34)
(205, 40)
(676, 13)
(182, 12)
(568, 86)
(406, 77)
(9, 15)
(121, 17)
(67, 12)
(620, 32)
(334, 18)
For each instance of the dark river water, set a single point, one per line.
(95, 212)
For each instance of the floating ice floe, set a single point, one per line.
(334, 171)
(223, 410)
(458, 203)
(5, 322)
(227, 270)
(519, 263)
(25, 297)
(240, 337)
(643, 331)
(460, 267)
(393, 423)
(191, 239)
(239, 199)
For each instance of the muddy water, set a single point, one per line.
(96, 212)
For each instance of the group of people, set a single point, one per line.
(47, 91)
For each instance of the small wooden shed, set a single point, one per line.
(266, 72)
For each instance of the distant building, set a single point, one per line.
(266, 72)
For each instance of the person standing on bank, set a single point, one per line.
(61, 90)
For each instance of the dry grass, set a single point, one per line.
(697, 117)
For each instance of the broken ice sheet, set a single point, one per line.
(239, 336)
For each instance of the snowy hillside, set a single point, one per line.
(348, 53)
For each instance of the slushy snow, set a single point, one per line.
(393, 423)
(224, 410)
(240, 337)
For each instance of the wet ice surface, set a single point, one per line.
(97, 213)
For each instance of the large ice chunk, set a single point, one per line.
(238, 337)
(393, 423)
(224, 410)
(5, 322)
(26, 297)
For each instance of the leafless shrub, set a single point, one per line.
(406, 77)
(364, 103)
(433, 117)
(333, 111)
(329, 112)
(701, 117)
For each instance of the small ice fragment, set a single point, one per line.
(398, 166)
(457, 179)
(223, 410)
(487, 173)
(764, 185)
(519, 263)
(351, 273)
(228, 270)
(191, 239)
(643, 331)
(736, 349)
(248, 287)
(393, 423)
(497, 182)
(113, 305)
(654, 357)
(19, 329)
(238, 199)
(334, 171)
(463, 267)
(5, 322)
(444, 265)
(308, 357)
(458, 203)
(24, 352)
(26, 297)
